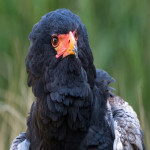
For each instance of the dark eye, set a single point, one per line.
(76, 36)
(54, 41)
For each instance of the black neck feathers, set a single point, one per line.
(63, 113)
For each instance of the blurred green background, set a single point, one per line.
(119, 34)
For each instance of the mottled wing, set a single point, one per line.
(20, 143)
(128, 133)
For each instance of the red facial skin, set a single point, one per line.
(65, 44)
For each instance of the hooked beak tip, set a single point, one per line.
(75, 50)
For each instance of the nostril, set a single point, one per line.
(68, 41)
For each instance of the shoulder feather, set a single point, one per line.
(128, 133)
(20, 143)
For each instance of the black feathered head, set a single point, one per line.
(58, 39)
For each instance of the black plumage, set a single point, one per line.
(70, 111)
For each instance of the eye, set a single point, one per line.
(54, 40)
(76, 36)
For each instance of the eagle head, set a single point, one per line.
(59, 41)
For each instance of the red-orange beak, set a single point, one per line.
(66, 44)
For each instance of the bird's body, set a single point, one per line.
(74, 108)
(69, 115)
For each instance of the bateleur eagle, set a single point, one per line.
(74, 107)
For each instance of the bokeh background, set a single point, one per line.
(119, 35)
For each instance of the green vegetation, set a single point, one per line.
(119, 36)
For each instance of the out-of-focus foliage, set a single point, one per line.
(119, 36)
